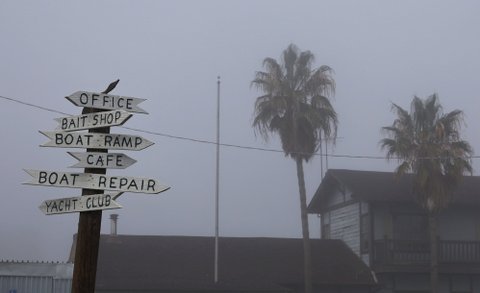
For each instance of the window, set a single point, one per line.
(326, 226)
(364, 233)
(410, 227)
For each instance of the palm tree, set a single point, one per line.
(295, 106)
(427, 144)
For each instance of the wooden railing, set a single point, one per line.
(389, 251)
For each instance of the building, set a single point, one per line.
(375, 214)
(35, 277)
(129, 263)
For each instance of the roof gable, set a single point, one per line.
(384, 186)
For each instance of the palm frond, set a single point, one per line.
(295, 103)
(427, 143)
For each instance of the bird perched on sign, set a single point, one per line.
(111, 87)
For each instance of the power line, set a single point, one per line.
(35, 106)
(207, 141)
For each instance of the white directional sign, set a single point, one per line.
(105, 101)
(94, 120)
(80, 204)
(102, 160)
(95, 181)
(96, 140)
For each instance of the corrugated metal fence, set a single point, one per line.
(16, 277)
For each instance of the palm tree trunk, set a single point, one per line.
(307, 255)
(432, 223)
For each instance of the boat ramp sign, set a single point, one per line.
(96, 141)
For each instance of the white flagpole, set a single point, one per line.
(217, 183)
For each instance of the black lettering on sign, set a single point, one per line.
(88, 203)
(54, 207)
(127, 141)
(53, 178)
(69, 139)
(151, 185)
(42, 177)
(108, 140)
(94, 98)
(48, 204)
(83, 98)
(74, 200)
(117, 116)
(115, 102)
(98, 201)
(119, 161)
(122, 141)
(126, 183)
(72, 123)
(108, 200)
(102, 181)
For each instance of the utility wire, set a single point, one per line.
(35, 106)
(207, 141)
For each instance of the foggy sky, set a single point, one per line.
(170, 53)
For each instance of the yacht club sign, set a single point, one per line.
(115, 111)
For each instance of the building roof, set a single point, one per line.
(372, 186)
(55, 270)
(139, 263)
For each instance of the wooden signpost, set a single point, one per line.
(100, 112)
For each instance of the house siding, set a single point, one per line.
(344, 225)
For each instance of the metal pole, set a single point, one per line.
(321, 157)
(217, 183)
(326, 155)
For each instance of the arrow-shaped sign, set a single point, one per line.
(95, 181)
(80, 204)
(102, 160)
(105, 101)
(94, 120)
(96, 140)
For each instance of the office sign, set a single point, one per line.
(106, 101)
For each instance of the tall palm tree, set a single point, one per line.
(428, 145)
(295, 105)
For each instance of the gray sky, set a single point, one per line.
(170, 53)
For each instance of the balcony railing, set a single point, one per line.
(389, 251)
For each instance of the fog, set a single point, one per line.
(170, 53)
